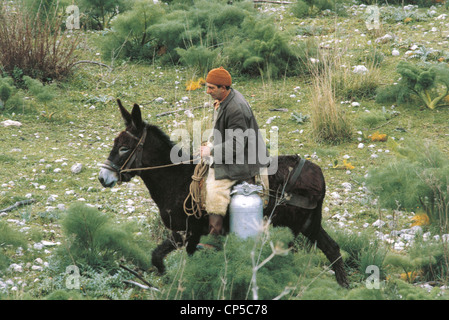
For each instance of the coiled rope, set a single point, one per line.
(195, 191)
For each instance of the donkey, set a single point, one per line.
(142, 145)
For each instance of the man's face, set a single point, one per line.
(217, 93)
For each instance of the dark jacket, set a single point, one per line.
(238, 147)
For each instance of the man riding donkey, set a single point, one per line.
(237, 152)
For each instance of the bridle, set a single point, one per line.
(135, 157)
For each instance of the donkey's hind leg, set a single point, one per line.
(161, 251)
(332, 251)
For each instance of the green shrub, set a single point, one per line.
(429, 83)
(307, 8)
(416, 179)
(201, 57)
(97, 14)
(94, 239)
(227, 273)
(129, 37)
(425, 261)
(261, 49)
(206, 34)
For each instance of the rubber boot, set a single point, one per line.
(216, 224)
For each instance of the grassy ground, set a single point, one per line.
(36, 158)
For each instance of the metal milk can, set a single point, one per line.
(246, 210)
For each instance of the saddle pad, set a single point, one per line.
(296, 199)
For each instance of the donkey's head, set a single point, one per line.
(127, 150)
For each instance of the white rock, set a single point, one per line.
(399, 246)
(347, 186)
(189, 114)
(16, 267)
(359, 69)
(8, 123)
(395, 52)
(378, 223)
(335, 195)
(271, 119)
(361, 146)
(384, 39)
(47, 243)
(76, 168)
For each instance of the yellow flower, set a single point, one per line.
(347, 165)
(407, 20)
(420, 219)
(195, 84)
(409, 276)
(376, 136)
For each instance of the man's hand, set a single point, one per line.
(204, 151)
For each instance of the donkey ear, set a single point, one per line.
(125, 114)
(137, 116)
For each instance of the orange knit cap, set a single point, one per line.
(219, 77)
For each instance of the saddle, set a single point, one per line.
(296, 199)
(198, 189)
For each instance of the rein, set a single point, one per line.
(136, 156)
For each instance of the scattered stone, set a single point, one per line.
(8, 123)
(76, 168)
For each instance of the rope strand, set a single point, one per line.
(195, 191)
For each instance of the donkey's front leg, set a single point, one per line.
(161, 251)
(192, 242)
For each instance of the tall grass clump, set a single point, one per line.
(94, 239)
(361, 252)
(33, 46)
(329, 122)
(416, 181)
(356, 86)
(9, 240)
